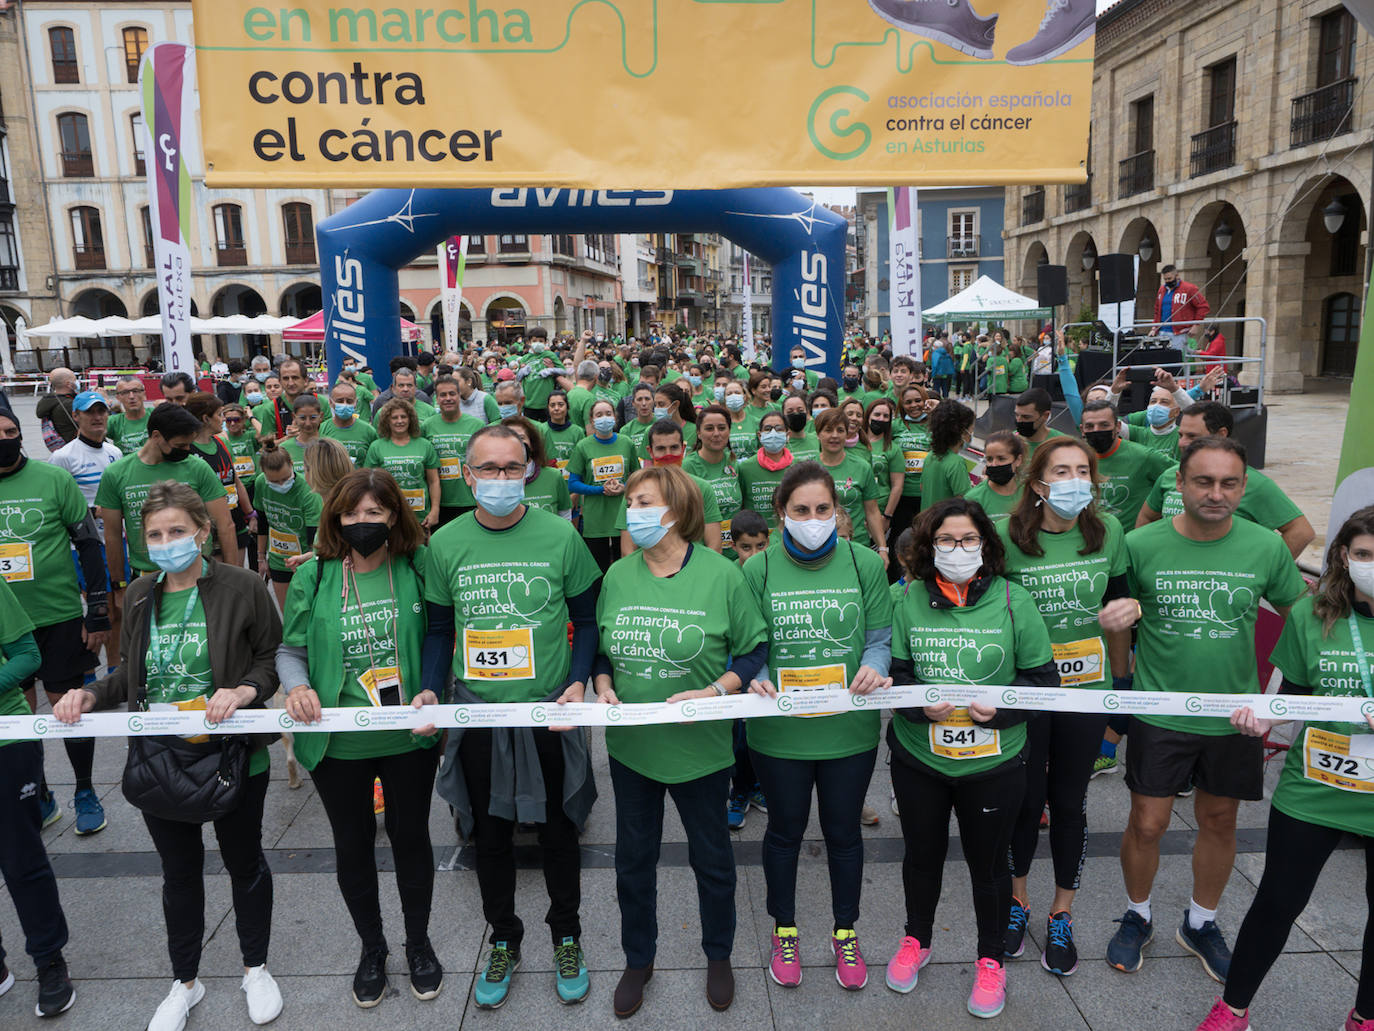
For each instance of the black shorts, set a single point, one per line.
(282, 576)
(65, 660)
(1161, 763)
(448, 513)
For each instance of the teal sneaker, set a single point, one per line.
(570, 972)
(50, 811)
(493, 988)
(90, 814)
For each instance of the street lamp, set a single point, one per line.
(1333, 216)
(1223, 236)
(1089, 256)
(1146, 250)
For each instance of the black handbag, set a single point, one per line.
(168, 778)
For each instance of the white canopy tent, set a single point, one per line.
(985, 301)
(151, 325)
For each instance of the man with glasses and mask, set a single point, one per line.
(503, 583)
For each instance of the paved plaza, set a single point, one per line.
(111, 890)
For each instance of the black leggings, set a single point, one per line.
(1060, 750)
(345, 789)
(1295, 852)
(604, 549)
(908, 508)
(986, 808)
(181, 847)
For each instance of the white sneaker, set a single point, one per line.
(172, 1014)
(264, 997)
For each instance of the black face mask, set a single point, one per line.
(1000, 474)
(851, 382)
(177, 454)
(879, 426)
(1100, 440)
(365, 538)
(604, 375)
(775, 393)
(796, 421)
(1025, 427)
(10, 448)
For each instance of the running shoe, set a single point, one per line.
(6, 978)
(50, 811)
(1066, 24)
(1125, 948)
(1060, 956)
(1352, 1024)
(758, 801)
(1104, 764)
(426, 973)
(989, 995)
(1220, 1018)
(262, 994)
(55, 991)
(570, 972)
(868, 816)
(378, 801)
(736, 812)
(951, 22)
(1186, 792)
(785, 967)
(1208, 945)
(90, 814)
(892, 802)
(903, 969)
(173, 1011)
(1014, 942)
(493, 988)
(370, 982)
(850, 969)
(1045, 819)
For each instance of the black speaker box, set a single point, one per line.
(1052, 285)
(1115, 278)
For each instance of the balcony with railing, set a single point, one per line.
(89, 257)
(1323, 113)
(301, 253)
(9, 277)
(229, 256)
(1078, 197)
(78, 164)
(1213, 149)
(963, 246)
(1136, 174)
(1033, 207)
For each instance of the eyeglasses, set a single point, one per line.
(129, 391)
(946, 545)
(489, 471)
(232, 420)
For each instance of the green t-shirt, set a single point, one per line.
(244, 449)
(744, 438)
(290, 517)
(538, 388)
(1264, 503)
(293, 447)
(549, 491)
(817, 619)
(666, 635)
(15, 625)
(407, 463)
(125, 484)
(128, 434)
(508, 590)
(37, 504)
(1068, 589)
(805, 448)
(995, 505)
(1143, 433)
(356, 437)
(580, 401)
(596, 462)
(881, 456)
(983, 643)
(998, 370)
(637, 431)
(855, 484)
(1126, 476)
(1031, 445)
(1325, 664)
(450, 442)
(1199, 601)
(723, 482)
(944, 476)
(910, 441)
(757, 486)
(559, 444)
(1016, 376)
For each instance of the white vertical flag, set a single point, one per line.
(453, 260)
(904, 271)
(748, 310)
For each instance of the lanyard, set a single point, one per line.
(164, 656)
(1361, 656)
(369, 637)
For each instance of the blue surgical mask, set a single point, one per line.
(645, 525)
(604, 425)
(175, 557)
(694, 380)
(660, 413)
(734, 402)
(816, 412)
(773, 441)
(499, 497)
(1069, 497)
(284, 487)
(261, 377)
(1157, 415)
(507, 411)
(345, 412)
(254, 397)
(719, 393)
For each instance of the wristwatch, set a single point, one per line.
(715, 686)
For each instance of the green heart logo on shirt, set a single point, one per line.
(24, 524)
(1114, 495)
(980, 663)
(838, 620)
(682, 644)
(529, 597)
(1087, 594)
(1238, 601)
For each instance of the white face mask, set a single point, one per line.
(810, 533)
(959, 566)
(1362, 574)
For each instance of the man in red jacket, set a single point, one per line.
(1178, 301)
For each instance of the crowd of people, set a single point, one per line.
(666, 518)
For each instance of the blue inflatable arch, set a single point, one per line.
(363, 247)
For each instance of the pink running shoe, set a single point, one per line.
(1351, 1024)
(904, 968)
(1222, 1019)
(850, 969)
(989, 993)
(786, 968)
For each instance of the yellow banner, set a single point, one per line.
(682, 94)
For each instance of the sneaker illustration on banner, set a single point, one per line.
(1065, 25)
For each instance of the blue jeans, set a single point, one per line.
(840, 786)
(638, 838)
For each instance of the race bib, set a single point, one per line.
(562, 465)
(382, 685)
(725, 539)
(498, 654)
(282, 543)
(244, 465)
(1338, 760)
(196, 704)
(915, 461)
(958, 737)
(450, 468)
(16, 562)
(231, 494)
(415, 497)
(606, 469)
(814, 678)
(1080, 662)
